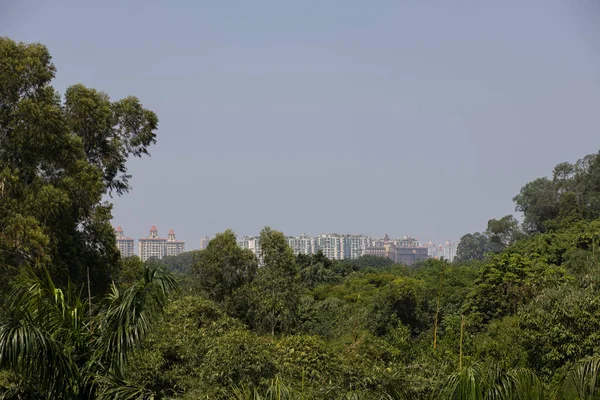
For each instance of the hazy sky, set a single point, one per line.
(416, 117)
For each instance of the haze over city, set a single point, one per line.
(407, 118)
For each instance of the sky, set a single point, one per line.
(419, 118)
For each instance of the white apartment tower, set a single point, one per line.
(173, 246)
(302, 244)
(124, 244)
(251, 243)
(204, 242)
(152, 246)
(332, 245)
(356, 246)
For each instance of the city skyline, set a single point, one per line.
(195, 242)
(310, 127)
(336, 246)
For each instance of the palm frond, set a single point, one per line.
(492, 383)
(580, 382)
(128, 317)
(30, 351)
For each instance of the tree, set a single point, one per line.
(492, 382)
(270, 303)
(59, 347)
(223, 267)
(508, 281)
(503, 232)
(367, 261)
(561, 326)
(57, 161)
(572, 194)
(399, 302)
(130, 270)
(183, 262)
(472, 247)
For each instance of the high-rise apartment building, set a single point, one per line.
(204, 242)
(152, 246)
(332, 245)
(302, 244)
(357, 245)
(449, 251)
(405, 251)
(124, 244)
(446, 251)
(173, 246)
(251, 243)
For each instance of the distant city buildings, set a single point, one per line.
(447, 251)
(204, 242)
(405, 250)
(174, 246)
(251, 243)
(302, 244)
(124, 244)
(152, 246)
(333, 246)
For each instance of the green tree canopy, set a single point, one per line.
(472, 247)
(57, 160)
(223, 267)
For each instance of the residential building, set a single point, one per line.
(449, 250)
(251, 243)
(173, 246)
(332, 245)
(406, 251)
(204, 242)
(152, 246)
(356, 246)
(302, 244)
(410, 255)
(446, 251)
(124, 244)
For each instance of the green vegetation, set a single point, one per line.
(515, 316)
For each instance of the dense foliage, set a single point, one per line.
(515, 316)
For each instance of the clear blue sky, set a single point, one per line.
(407, 117)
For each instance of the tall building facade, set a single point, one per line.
(152, 246)
(173, 246)
(251, 243)
(303, 244)
(357, 245)
(332, 245)
(406, 250)
(446, 251)
(204, 242)
(124, 244)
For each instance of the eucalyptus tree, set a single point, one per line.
(58, 158)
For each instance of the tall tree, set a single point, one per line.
(472, 247)
(223, 267)
(274, 296)
(57, 160)
(503, 232)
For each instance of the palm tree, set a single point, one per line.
(60, 347)
(492, 383)
(580, 382)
